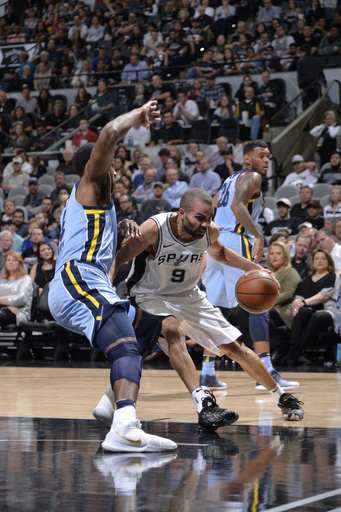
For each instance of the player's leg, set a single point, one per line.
(116, 338)
(208, 378)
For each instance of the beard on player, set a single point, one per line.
(191, 229)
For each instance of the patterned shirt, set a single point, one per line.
(209, 181)
(214, 94)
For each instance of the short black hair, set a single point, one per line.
(252, 144)
(163, 152)
(81, 158)
(306, 48)
(17, 210)
(195, 194)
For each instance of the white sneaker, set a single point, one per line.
(104, 411)
(285, 384)
(127, 436)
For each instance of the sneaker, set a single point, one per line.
(125, 470)
(211, 382)
(212, 417)
(104, 411)
(216, 447)
(291, 407)
(127, 436)
(284, 384)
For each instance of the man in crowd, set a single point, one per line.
(127, 211)
(18, 178)
(8, 225)
(55, 118)
(138, 176)
(195, 168)
(60, 182)
(284, 221)
(171, 133)
(255, 110)
(301, 260)
(85, 134)
(136, 70)
(229, 166)
(26, 166)
(281, 42)
(326, 134)
(186, 110)
(267, 13)
(325, 240)
(145, 191)
(212, 92)
(163, 154)
(269, 92)
(30, 254)
(308, 69)
(138, 134)
(9, 207)
(174, 189)
(157, 204)
(190, 159)
(300, 210)
(19, 223)
(217, 158)
(106, 100)
(206, 178)
(314, 214)
(6, 106)
(158, 90)
(41, 142)
(30, 105)
(102, 55)
(305, 173)
(331, 171)
(66, 166)
(34, 198)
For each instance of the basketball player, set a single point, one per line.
(238, 206)
(164, 275)
(81, 297)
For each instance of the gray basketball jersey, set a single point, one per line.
(176, 266)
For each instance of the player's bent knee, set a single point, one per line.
(172, 331)
(126, 362)
(235, 350)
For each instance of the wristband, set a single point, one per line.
(304, 302)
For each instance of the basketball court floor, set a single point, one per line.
(51, 457)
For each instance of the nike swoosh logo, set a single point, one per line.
(168, 245)
(137, 442)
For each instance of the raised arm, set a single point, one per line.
(247, 186)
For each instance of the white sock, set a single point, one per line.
(125, 413)
(110, 394)
(277, 392)
(197, 395)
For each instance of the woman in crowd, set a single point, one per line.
(315, 306)
(138, 154)
(247, 82)
(127, 183)
(333, 208)
(195, 90)
(260, 29)
(41, 33)
(124, 153)
(38, 168)
(174, 152)
(16, 291)
(225, 110)
(45, 103)
(21, 118)
(329, 224)
(6, 242)
(78, 44)
(20, 139)
(73, 121)
(82, 98)
(42, 77)
(229, 66)
(43, 272)
(150, 8)
(140, 96)
(314, 12)
(281, 314)
(120, 166)
(292, 13)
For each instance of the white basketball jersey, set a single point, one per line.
(176, 266)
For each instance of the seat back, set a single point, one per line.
(229, 128)
(19, 200)
(46, 179)
(321, 189)
(285, 191)
(201, 131)
(282, 88)
(204, 109)
(46, 189)
(17, 191)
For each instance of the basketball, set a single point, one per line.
(257, 291)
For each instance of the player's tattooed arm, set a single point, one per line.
(228, 256)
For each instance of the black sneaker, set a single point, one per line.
(212, 417)
(291, 407)
(216, 447)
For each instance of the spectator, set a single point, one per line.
(25, 166)
(46, 207)
(8, 225)
(315, 12)
(195, 91)
(127, 211)
(284, 221)
(145, 191)
(120, 167)
(229, 167)
(314, 214)
(229, 66)
(138, 135)
(77, 25)
(174, 189)
(267, 13)
(114, 70)
(5, 104)
(315, 306)
(269, 92)
(55, 118)
(46, 58)
(292, 13)
(106, 99)
(6, 242)
(16, 291)
(212, 92)
(240, 49)
(186, 110)
(326, 134)
(308, 70)
(29, 254)
(96, 31)
(331, 43)
(163, 154)
(331, 171)
(337, 237)
(301, 258)
(20, 138)
(45, 103)
(300, 210)
(289, 62)
(54, 227)
(43, 272)
(34, 198)
(304, 173)
(20, 117)
(171, 133)
(254, 109)
(85, 134)
(136, 70)
(138, 175)
(325, 240)
(157, 204)
(82, 77)
(66, 167)
(20, 226)
(225, 110)
(333, 209)
(190, 159)
(207, 67)
(102, 55)
(18, 178)
(206, 178)
(281, 42)
(241, 29)
(169, 105)
(42, 77)
(224, 17)
(247, 82)
(43, 141)
(196, 167)
(30, 105)
(216, 158)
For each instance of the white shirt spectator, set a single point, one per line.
(282, 45)
(333, 131)
(147, 38)
(336, 255)
(83, 29)
(25, 167)
(329, 213)
(221, 14)
(95, 33)
(299, 180)
(138, 135)
(191, 106)
(209, 11)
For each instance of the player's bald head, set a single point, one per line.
(192, 195)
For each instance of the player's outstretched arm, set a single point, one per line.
(103, 152)
(227, 256)
(133, 246)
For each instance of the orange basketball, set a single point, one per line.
(257, 291)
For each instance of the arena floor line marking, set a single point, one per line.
(306, 501)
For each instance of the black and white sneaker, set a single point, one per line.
(212, 417)
(217, 447)
(291, 407)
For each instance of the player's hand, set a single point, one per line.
(257, 252)
(128, 228)
(150, 114)
(271, 274)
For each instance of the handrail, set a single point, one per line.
(73, 132)
(291, 144)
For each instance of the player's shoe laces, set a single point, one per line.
(291, 407)
(211, 382)
(216, 447)
(104, 411)
(212, 417)
(284, 384)
(127, 436)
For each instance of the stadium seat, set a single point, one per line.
(47, 180)
(270, 202)
(18, 191)
(324, 200)
(321, 189)
(285, 191)
(71, 179)
(18, 199)
(229, 128)
(201, 131)
(46, 189)
(295, 199)
(204, 109)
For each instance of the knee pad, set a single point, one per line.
(126, 362)
(259, 326)
(148, 332)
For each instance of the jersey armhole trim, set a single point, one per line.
(160, 236)
(208, 238)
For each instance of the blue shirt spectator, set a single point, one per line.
(212, 92)
(106, 99)
(136, 70)
(267, 13)
(206, 178)
(175, 188)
